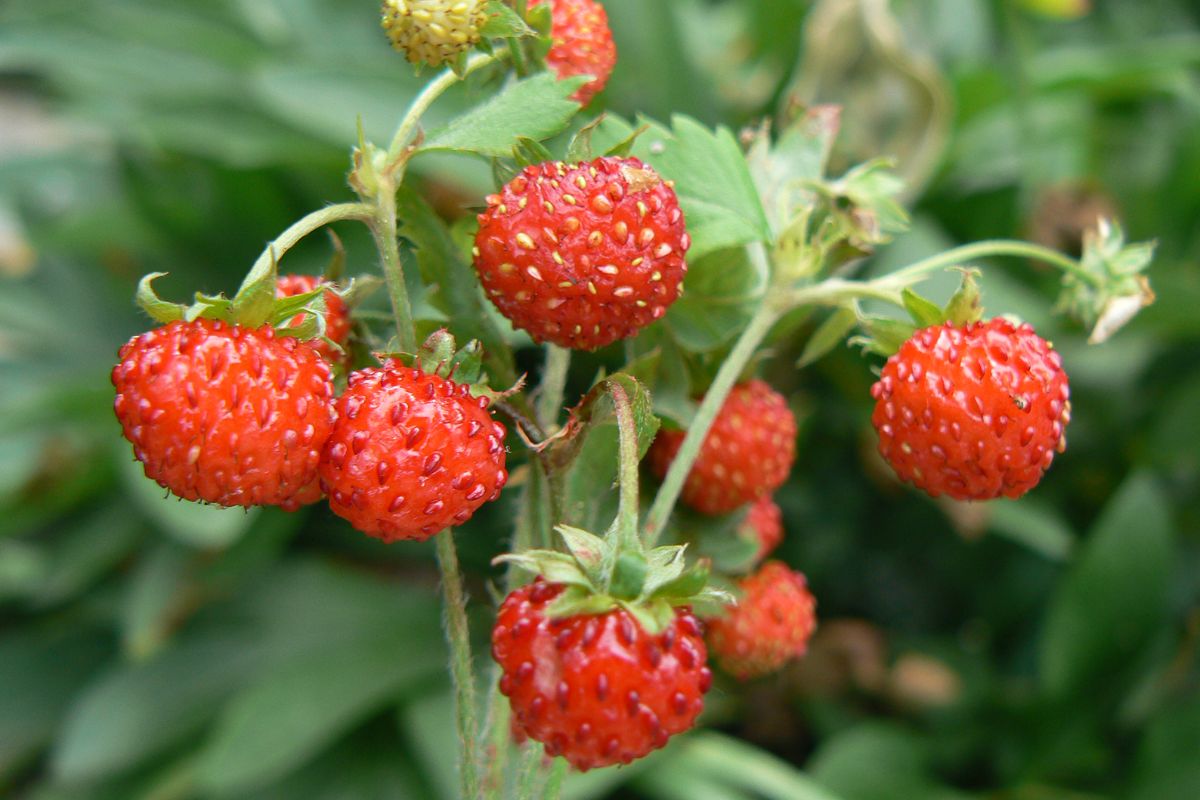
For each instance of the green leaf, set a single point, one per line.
(503, 22)
(828, 335)
(279, 722)
(195, 524)
(898, 765)
(1114, 594)
(1168, 760)
(152, 594)
(134, 712)
(707, 765)
(41, 672)
(537, 107)
(1035, 525)
(722, 291)
(718, 197)
(783, 170)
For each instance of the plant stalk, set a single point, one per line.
(306, 225)
(383, 226)
(760, 324)
(627, 509)
(421, 103)
(554, 381)
(458, 636)
(985, 249)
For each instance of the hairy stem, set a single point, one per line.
(627, 510)
(553, 789)
(554, 380)
(383, 226)
(458, 636)
(530, 768)
(432, 91)
(743, 350)
(306, 225)
(985, 249)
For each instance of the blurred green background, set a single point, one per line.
(1030, 650)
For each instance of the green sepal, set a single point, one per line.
(580, 148)
(884, 334)
(712, 602)
(155, 307)
(623, 148)
(628, 575)
(666, 564)
(466, 366)
(459, 64)
(503, 171)
(654, 617)
(924, 312)
(255, 299)
(359, 289)
(555, 567)
(828, 335)
(688, 584)
(209, 307)
(435, 353)
(539, 18)
(310, 303)
(1111, 288)
(529, 152)
(966, 305)
(588, 549)
(576, 601)
(504, 23)
(337, 262)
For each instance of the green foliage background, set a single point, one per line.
(1034, 650)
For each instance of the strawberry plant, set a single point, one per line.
(592, 375)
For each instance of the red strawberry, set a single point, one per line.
(764, 524)
(583, 44)
(769, 626)
(597, 689)
(747, 454)
(585, 254)
(974, 411)
(411, 453)
(337, 315)
(225, 414)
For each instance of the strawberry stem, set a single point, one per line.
(459, 637)
(383, 226)
(627, 510)
(760, 324)
(986, 249)
(554, 380)
(421, 103)
(306, 225)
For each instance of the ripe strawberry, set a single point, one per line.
(585, 254)
(747, 454)
(583, 44)
(597, 689)
(225, 414)
(337, 315)
(770, 625)
(764, 524)
(974, 411)
(411, 453)
(433, 32)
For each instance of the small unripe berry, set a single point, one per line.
(433, 32)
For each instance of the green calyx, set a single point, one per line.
(1111, 286)
(884, 335)
(254, 305)
(440, 355)
(600, 576)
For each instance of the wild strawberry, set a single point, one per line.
(225, 414)
(764, 524)
(585, 254)
(433, 32)
(337, 315)
(973, 411)
(583, 44)
(769, 626)
(411, 453)
(747, 454)
(597, 689)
